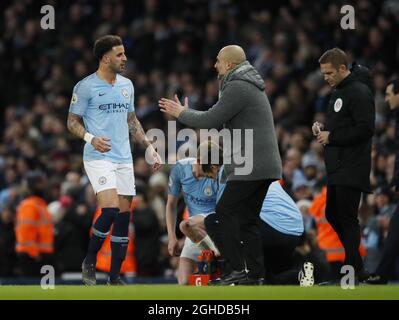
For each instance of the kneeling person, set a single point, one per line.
(200, 198)
(281, 231)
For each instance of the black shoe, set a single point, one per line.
(214, 282)
(376, 279)
(88, 274)
(231, 279)
(363, 275)
(116, 282)
(251, 282)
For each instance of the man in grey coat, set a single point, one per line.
(242, 105)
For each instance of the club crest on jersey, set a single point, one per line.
(338, 105)
(125, 93)
(102, 180)
(74, 98)
(208, 191)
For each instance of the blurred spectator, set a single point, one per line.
(72, 223)
(291, 167)
(158, 185)
(302, 189)
(146, 237)
(376, 228)
(7, 242)
(34, 230)
(308, 221)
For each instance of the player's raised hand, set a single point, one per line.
(173, 107)
(101, 144)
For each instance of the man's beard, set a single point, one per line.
(117, 70)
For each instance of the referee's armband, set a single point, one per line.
(88, 137)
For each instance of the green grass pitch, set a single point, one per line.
(176, 292)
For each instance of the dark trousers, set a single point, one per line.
(391, 247)
(342, 213)
(30, 267)
(238, 211)
(278, 249)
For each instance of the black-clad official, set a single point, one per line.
(346, 137)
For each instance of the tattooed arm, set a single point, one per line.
(136, 130)
(75, 126)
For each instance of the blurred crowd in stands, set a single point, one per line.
(171, 48)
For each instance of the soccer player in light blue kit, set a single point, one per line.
(105, 102)
(199, 194)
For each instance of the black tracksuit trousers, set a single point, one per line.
(238, 211)
(342, 213)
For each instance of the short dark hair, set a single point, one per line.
(32, 179)
(105, 44)
(336, 57)
(204, 157)
(395, 84)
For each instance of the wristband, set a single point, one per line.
(88, 137)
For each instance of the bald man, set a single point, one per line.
(242, 107)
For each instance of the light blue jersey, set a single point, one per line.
(199, 194)
(104, 108)
(278, 210)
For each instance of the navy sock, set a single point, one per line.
(119, 243)
(100, 231)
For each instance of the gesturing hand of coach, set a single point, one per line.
(173, 107)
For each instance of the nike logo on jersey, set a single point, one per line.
(101, 94)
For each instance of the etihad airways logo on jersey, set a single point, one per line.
(114, 107)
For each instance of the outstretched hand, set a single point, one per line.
(173, 107)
